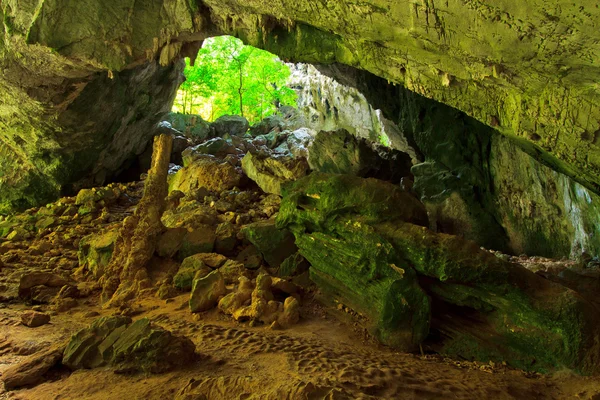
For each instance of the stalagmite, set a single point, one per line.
(126, 274)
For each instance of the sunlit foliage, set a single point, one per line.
(231, 78)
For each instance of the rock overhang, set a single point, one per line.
(527, 69)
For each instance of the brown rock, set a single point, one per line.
(32, 370)
(33, 319)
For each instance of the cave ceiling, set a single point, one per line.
(529, 69)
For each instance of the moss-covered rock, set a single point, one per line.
(271, 172)
(529, 322)
(359, 268)
(315, 200)
(339, 152)
(130, 347)
(96, 250)
(273, 243)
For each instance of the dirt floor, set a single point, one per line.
(321, 357)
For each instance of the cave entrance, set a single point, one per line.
(230, 78)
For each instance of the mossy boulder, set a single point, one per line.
(360, 269)
(270, 172)
(529, 322)
(233, 125)
(273, 243)
(129, 346)
(191, 125)
(191, 268)
(207, 291)
(96, 250)
(318, 198)
(339, 152)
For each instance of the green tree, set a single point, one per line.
(231, 78)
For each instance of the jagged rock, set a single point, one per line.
(191, 268)
(293, 265)
(267, 125)
(170, 241)
(341, 153)
(86, 196)
(212, 147)
(138, 346)
(256, 302)
(318, 198)
(189, 215)
(299, 141)
(274, 244)
(30, 284)
(200, 240)
(96, 250)
(206, 172)
(233, 125)
(191, 125)
(33, 319)
(206, 292)
(232, 270)
(226, 238)
(32, 370)
(270, 173)
(213, 260)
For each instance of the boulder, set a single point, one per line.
(31, 371)
(170, 241)
(191, 125)
(191, 268)
(233, 125)
(130, 347)
(270, 172)
(274, 244)
(226, 238)
(96, 250)
(213, 147)
(366, 251)
(206, 172)
(314, 200)
(200, 240)
(340, 152)
(189, 215)
(267, 125)
(206, 292)
(33, 319)
(299, 141)
(232, 271)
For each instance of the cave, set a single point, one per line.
(423, 221)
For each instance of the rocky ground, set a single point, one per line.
(229, 309)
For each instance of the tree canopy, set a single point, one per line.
(229, 77)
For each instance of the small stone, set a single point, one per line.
(33, 319)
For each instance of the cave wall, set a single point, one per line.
(474, 181)
(527, 69)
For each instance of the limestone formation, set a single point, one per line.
(137, 240)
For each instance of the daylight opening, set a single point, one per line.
(231, 78)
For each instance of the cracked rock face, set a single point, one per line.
(82, 83)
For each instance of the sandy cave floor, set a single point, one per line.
(320, 350)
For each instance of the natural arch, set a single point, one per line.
(82, 83)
